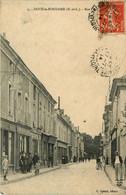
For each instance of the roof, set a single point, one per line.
(116, 83)
(33, 76)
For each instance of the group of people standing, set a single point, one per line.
(26, 161)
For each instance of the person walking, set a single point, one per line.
(125, 168)
(29, 162)
(103, 163)
(35, 159)
(97, 162)
(37, 167)
(118, 168)
(5, 166)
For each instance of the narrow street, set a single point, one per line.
(77, 179)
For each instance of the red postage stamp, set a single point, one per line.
(111, 17)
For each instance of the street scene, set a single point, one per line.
(62, 98)
(79, 178)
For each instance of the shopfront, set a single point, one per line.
(62, 151)
(51, 143)
(8, 131)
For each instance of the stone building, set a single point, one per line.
(27, 110)
(107, 116)
(115, 120)
(29, 122)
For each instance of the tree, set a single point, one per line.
(91, 146)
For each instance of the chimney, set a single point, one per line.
(59, 102)
(4, 35)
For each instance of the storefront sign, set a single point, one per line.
(8, 126)
(52, 140)
(62, 145)
(24, 131)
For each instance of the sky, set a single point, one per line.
(57, 47)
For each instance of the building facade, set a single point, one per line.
(115, 120)
(29, 122)
(27, 111)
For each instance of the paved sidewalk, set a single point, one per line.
(19, 176)
(110, 172)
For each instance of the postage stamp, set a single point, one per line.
(111, 17)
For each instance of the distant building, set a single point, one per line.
(107, 116)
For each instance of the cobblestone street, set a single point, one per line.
(79, 179)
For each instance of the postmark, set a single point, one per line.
(104, 62)
(93, 17)
(111, 17)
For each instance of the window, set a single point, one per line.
(34, 115)
(51, 109)
(26, 103)
(10, 99)
(34, 92)
(11, 62)
(19, 100)
(48, 106)
(40, 113)
(26, 108)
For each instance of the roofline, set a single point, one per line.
(115, 85)
(32, 74)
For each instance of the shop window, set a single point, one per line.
(10, 99)
(35, 146)
(5, 142)
(24, 143)
(11, 148)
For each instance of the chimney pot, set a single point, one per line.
(58, 102)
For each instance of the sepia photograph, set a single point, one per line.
(62, 97)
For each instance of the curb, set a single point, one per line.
(122, 187)
(33, 175)
(28, 177)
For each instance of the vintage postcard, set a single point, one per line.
(62, 97)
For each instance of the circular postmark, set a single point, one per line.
(104, 62)
(93, 17)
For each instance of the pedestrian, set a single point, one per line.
(100, 162)
(118, 168)
(35, 159)
(5, 166)
(89, 158)
(74, 158)
(37, 167)
(107, 160)
(97, 162)
(125, 168)
(51, 159)
(103, 163)
(29, 162)
(20, 161)
(26, 163)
